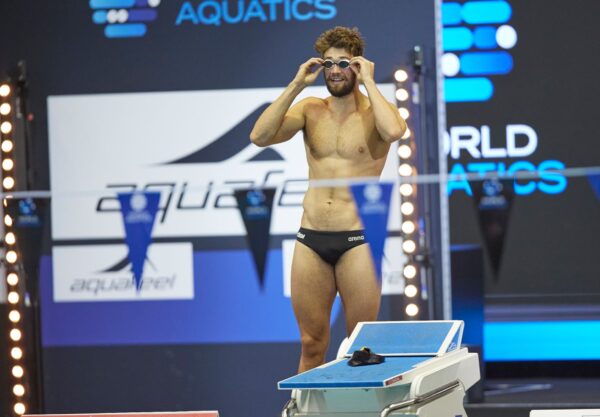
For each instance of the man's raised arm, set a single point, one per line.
(388, 122)
(278, 122)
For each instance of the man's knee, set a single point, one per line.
(314, 346)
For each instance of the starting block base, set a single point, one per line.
(417, 379)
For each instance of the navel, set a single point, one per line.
(361, 149)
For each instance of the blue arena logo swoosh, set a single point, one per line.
(230, 144)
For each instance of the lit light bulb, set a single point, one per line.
(13, 297)
(19, 390)
(409, 246)
(4, 109)
(8, 164)
(7, 145)
(4, 90)
(17, 371)
(16, 353)
(14, 316)
(11, 256)
(6, 127)
(401, 94)
(12, 279)
(404, 151)
(412, 310)
(15, 335)
(410, 291)
(406, 190)
(405, 170)
(19, 408)
(408, 227)
(401, 75)
(407, 208)
(8, 183)
(9, 238)
(410, 271)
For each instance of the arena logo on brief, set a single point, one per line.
(476, 40)
(130, 18)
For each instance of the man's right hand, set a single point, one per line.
(308, 72)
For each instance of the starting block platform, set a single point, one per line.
(425, 374)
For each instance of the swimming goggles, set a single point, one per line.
(342, 63)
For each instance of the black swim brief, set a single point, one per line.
(330, 246)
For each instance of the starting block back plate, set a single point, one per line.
(407, 338)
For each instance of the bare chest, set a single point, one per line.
(350, 137)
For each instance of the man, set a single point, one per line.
(345, 135)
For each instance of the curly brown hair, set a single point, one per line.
(349, 39)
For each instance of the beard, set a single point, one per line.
(341, 89)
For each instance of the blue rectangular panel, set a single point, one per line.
(457, 39)
(485, 37)
(486, 63)
(142, 15)
(341, 375)
(126, 30)
(481, 12)
(540, 341)
(468, 89)
(402, 338)
(451, 14)
(111, 4)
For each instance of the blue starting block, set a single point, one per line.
(425, 374)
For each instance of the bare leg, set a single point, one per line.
(313, 293)
(358, 286)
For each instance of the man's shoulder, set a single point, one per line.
(312, 104)
(311, 100)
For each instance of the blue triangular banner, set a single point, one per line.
(373, 206)
(139, 211)
(594, 180)
(255, 206)
(493, 200)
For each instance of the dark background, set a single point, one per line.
(551, 248)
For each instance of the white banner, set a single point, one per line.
(103, 273)
(191, 146)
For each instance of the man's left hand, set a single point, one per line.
(363, 68)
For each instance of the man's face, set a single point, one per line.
(339, 81)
